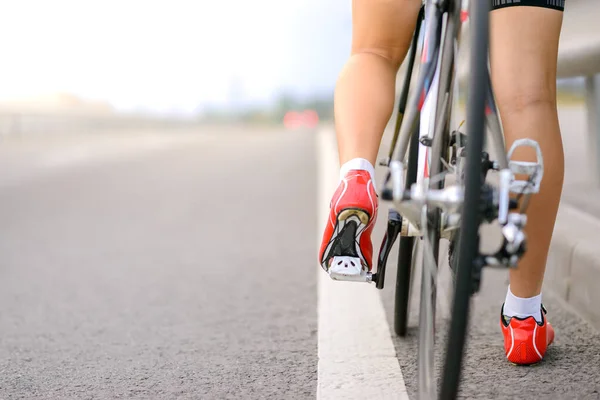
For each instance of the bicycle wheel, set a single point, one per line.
(431, 215)
(405, 269)
(404, 274)
(468, 241)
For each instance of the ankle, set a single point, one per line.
(357, 164)
(523, 307)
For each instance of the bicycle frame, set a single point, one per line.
(438, 43)
(428, 209)
(439, 47)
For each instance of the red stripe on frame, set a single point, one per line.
(422, 100)
(426, 172)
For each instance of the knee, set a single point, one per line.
(522, 98)
(384, 28)
(390, 55)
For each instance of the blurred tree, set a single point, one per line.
(284, 103)
(321, 103)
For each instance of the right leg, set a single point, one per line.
(364, 100)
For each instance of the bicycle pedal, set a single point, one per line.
(534, 170)
(394, 226)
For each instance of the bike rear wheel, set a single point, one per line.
(431, 216)
(468, 241)
(406, 252)
(404, 275)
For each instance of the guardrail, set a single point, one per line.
(579, 55)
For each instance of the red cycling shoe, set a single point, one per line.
(346, 249)
(526, 340)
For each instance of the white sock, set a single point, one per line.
(357, 163)
(523, 307)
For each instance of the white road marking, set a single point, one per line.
(357, 359)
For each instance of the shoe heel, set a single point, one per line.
(359, 214)
(524, 354)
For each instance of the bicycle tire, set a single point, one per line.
(468, 241)
(426, 371)
(406, 244)
(405, 249)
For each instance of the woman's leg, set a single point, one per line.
(364, 99)
(524, 47)
(365, 91)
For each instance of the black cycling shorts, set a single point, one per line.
(553, 4)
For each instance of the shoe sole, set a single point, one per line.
(343, 257)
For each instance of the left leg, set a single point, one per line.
(523, 49)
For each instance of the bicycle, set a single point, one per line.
(425, 153)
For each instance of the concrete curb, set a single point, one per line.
(573, 268)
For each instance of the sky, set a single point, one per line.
(172, 55)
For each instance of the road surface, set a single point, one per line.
(183, 265)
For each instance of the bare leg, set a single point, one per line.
(524, 47)
(364, 96)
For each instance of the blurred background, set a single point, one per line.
(179, 62)
(140, 142)
(203, 61)
(73, 66)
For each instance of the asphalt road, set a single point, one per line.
(186, 269)
(179, 273)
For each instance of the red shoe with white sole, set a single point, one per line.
(346, 250)
(526, 340)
